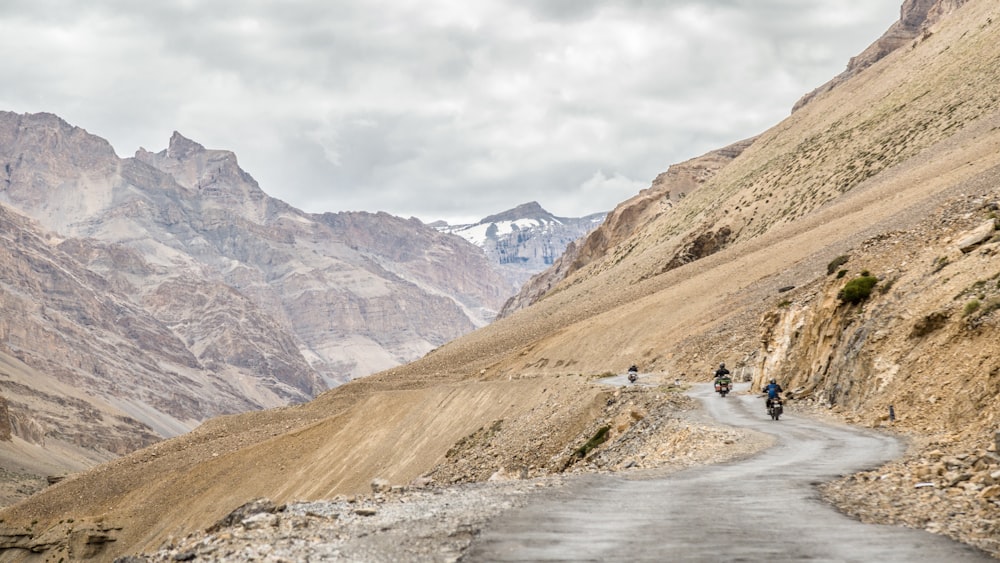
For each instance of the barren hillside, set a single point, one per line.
(894, 168)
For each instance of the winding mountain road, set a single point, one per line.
(765, 508)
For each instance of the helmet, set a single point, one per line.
(722, 365)
(773, 381)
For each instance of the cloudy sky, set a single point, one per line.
(439, 109)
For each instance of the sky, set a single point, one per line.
(436, 109)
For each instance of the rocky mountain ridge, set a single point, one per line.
(171, 287)
(525, 240)
(884, 177)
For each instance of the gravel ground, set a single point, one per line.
(944, 488)
(431, 524)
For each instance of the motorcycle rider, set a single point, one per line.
(773, 391)
(720, 374)
(633, 373)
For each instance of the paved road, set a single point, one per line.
(765, 508)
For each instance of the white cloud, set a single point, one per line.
(438, 109)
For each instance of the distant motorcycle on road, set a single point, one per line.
(633, 374)
(723, 385)
(775, 407)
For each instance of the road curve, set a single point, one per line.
(765, 508)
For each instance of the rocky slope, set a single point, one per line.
(894, 169)
(526, 240)
(628, 218)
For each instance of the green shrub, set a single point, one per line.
(886, 285)
(599, 438)
(836, 263)
(858, 289)
(939, 264)
(841, 274)
(971, 307)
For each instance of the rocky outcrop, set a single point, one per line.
(928, 319)
(967, 242)
(5, 427)
(916, 20)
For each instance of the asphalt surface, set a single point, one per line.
(765, 508)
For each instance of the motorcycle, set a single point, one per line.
(775, 407)
(633, 376)
(723, 386)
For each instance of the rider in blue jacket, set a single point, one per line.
(773, 391)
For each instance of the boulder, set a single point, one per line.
(380, 485)
(246, 512)
(971, 239)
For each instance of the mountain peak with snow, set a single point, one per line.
(525, 240)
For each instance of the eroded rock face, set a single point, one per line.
(923, 341)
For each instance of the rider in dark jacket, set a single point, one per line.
(722, 371)
(722, 376)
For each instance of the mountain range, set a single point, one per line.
(170, 289)
(850, 251)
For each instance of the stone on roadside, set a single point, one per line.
(242, 513)
(261, 521)
(421, 482)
